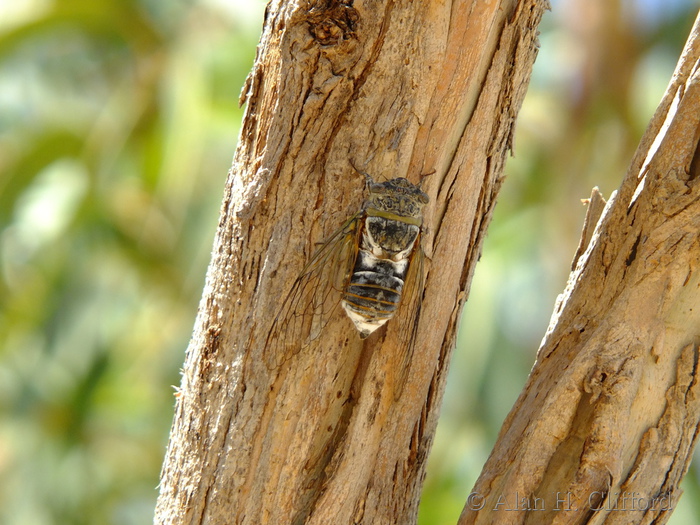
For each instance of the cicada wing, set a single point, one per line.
(314, 296)
(408, 314)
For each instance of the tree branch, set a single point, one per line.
(398, 89)
(609, 417)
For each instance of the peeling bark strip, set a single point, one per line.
(606, 425)
(398, 89)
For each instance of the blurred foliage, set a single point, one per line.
(118, 120)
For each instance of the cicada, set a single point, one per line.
(372, 266)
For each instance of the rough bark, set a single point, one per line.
(399, 89)
(605, 427)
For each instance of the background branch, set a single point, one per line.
(611, 408)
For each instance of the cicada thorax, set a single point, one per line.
(374, 289)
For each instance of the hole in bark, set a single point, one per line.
(333, 21)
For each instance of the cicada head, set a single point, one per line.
(396, 196)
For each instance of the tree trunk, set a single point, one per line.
(398, 89)
(606, 425)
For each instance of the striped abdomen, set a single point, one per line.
(374, 291)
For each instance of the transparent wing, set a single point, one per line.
(314, 296)
(409, 311)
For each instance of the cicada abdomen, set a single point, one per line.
(372, 265)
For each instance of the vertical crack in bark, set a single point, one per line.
(633, 252)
